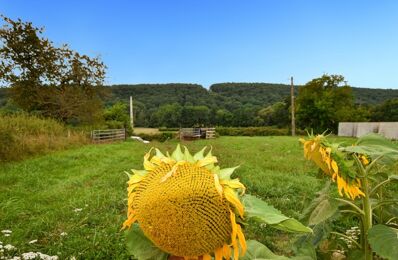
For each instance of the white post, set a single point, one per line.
(131, 112)
(292, 107)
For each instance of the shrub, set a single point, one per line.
(168, 129)
(23, 135)
(251, 131)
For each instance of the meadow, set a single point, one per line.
(73, 202)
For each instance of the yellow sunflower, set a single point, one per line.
(316, 150)
(187, 206)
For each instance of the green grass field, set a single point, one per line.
(81, 193)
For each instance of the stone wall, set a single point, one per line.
(358, 129)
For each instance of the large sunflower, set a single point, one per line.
(332, 162)
(187, 206)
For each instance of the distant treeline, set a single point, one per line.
(223, 104)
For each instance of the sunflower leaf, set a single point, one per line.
(375, 145)
(258, 251)
(141, 247)
(259, 210)
(384, 241)
(323, 211)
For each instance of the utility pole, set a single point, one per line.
(131, 112)
(292, 107)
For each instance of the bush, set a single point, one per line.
(161, 137)
(165, 129)
(254, 131)
(23, 135)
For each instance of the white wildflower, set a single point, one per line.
(9, 247)
(33, 241)
(64, 234)
(77, 210)
(6, 231)
(7, 235)
(29, 255)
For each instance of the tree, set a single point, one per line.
(223, 117)
(117, 116)
(195, 116)
(168, 115)
(53, 81)
(323, 102)
(276, 114)
(386, 112)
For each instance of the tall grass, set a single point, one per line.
(23, 135)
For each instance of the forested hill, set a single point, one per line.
(155, 95)
(256, 94)
(373, 95)
(227, 94)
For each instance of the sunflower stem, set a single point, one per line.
(367, 223)
(360, 211)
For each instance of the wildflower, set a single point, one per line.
(6, 231)
(327, 159)
(77, 210)
(9, 247)
(33, 241)
(187, 206)
(63, 234)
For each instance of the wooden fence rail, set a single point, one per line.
(108, 135)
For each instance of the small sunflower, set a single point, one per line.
(327, 158)
(187, 206)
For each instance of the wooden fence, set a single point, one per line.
(108, 135)
(197, 133)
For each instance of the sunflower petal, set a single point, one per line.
(217, 184)
(242, 240)
(218, 254)
(226, 252)
(234, 184)
(206, 257)
(233, 199)
(208, 160)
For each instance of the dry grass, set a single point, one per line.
(23, 135)
(147, 131)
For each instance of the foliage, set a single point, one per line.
(53, 81)
(386, 112)
(160, 137)
(117, 116)
(139, 246)
(363, 170)
(229, 104)
(322, 103)
(22, 135)
(277, 114)
(254, 131)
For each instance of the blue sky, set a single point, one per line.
(210, 41)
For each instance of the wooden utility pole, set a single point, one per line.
(131, 112)
(292, 107)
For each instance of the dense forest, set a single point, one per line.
(226, 104)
